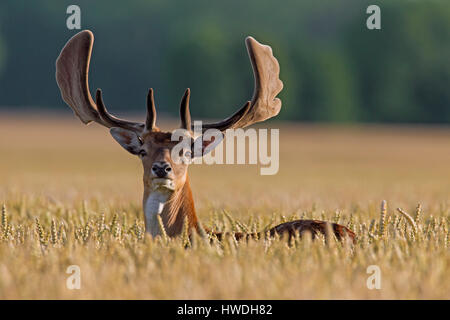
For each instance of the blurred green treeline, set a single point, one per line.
(333, 67)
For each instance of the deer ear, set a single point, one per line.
(129, 140)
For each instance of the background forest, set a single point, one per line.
(334, 68)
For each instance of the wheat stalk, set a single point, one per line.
(410, 220)
(383, 218)
(337, 216)
(53, 233)
(40, 231)
(185, 234)
(418, 213)
(162, 229)
(4, 222)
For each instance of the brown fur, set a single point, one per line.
(72, 67)
(180, 207)
(181, 203)
(300, 227)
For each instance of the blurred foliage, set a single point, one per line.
(2, 54)
(333, 67)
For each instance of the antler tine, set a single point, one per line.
(72, 69)
(230, 121)
(111, 121)
(264, 104)
(101, 106)
(150, 121)
(185, 114)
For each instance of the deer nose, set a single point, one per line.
(161, 169)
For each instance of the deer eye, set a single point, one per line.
(142, 153)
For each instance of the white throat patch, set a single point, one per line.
(153, 207)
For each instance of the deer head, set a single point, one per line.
(166, 184)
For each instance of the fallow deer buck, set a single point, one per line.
(166, 184)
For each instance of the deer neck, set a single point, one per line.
(174, 206)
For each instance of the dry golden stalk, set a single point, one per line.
(113, 221)
(231, 220)
(162, 229)
(4, 233)
(101, 224)
(40, 231)
(337, 216)
(410, 220)
(418, 213)
(447, 240)
(115, 226)
(372, 226)
(350, 222)
(202, 231)
(86, 232)
(383, 218)
(242, 227)
(137, 230)
(396, 222)
(185, 234)
(53, 233)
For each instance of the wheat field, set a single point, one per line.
(72, 196)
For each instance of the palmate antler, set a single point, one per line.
(72, 69)
(264, 104)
